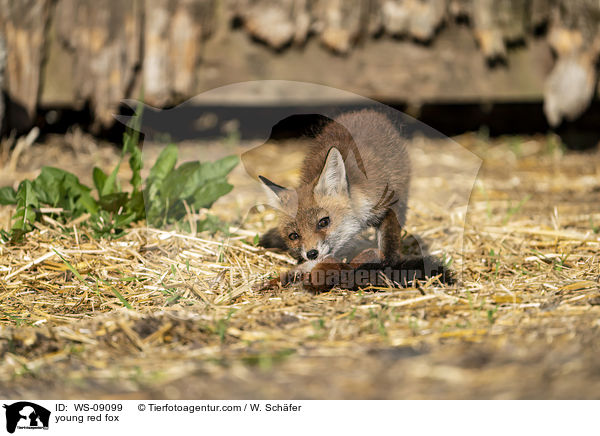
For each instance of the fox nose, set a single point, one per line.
(312, 254)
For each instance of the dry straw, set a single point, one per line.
(160, 313)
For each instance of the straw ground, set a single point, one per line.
(163, 314)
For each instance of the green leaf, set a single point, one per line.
(120, 297)
(86, 202)
(113, 202)
(157, 200)
(124, 220)
(209, 193)
(181, 182)
(110, 185)
(48, 186)
(164, 164)
(27, 201)
(4, 236)
(136, 205)
(131, 145)
(8, 195)
(220, 168)
(199, 184)
(135, 163)
(131, 137)
(99, 177)
(59, 188)
(206, 173)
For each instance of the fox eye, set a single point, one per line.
(293, 236)
(323, 222)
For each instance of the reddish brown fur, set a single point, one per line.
(378, 179)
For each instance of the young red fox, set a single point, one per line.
(356, 175)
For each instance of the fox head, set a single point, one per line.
(318, 218)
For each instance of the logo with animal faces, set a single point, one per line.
(25, 415)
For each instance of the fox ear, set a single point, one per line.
(332, 180)
(278, 195)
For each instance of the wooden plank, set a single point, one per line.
(23, 24)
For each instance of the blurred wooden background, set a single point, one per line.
(73, 53)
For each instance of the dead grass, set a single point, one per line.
(167, 315)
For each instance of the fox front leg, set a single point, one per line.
(389, 238)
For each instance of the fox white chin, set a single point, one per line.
(324, 250)
(307, 266)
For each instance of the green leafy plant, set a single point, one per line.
(166, 196)
(199, 185)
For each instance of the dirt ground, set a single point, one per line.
(523, 321)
